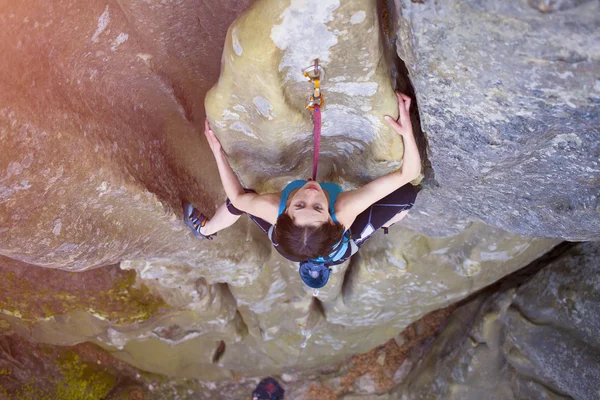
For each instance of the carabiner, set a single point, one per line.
(310, 74)
(315, 74)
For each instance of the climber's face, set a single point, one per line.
(309, 205)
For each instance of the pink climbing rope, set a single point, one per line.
(314, 74)
(316, 140)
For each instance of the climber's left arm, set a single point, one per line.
(350, 204)
(231, 184)
(264, 206)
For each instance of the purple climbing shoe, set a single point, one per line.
(195, 220)
(268, 389)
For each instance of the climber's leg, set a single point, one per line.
(262, 224)
(383, 213)
(397, 218)
(222, 219)
(225, 216)
(204, 227)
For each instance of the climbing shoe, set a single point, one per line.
(195, 220)
(268, 389)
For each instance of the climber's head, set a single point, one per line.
(300, 243)
(305, 229)
(309, 206)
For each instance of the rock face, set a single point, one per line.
(539, 340)
(509, 98)
(260, 98)
(100, 123)
(100, 104)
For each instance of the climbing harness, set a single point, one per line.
(315, 74)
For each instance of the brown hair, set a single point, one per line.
(300, 243)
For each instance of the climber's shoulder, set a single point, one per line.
(351, 203)
(264, 206)
(343, 212)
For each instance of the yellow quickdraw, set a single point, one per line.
(314, 74)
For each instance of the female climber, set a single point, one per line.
(317, 224)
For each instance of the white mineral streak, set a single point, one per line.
(358, 17)
(442, 251)
(103, 22)
(119, 40)
(242, 127)
(338, 79)
(144, 57)
(116, 339)
(120, 339)
(565, 139)
(235, 42)
(276, 293)
(399, 262)
(302, 20)
(102, 188)
(365, 89)
(346, 148)
(229, 116)
(374, 121)
(270, 334)
(186, 337)
(57, 227)
(566, 74)
(263, 107)
(356, 125)
(468, 268)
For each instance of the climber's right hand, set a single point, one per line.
(403, 124)
(213, 140)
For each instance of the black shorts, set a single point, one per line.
(262, 224)
(378, 214)
(366, 223)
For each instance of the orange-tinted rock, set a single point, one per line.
(101, 104)
(100, 122)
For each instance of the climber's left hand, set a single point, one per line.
(213, 140)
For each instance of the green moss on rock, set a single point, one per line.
(82, 380)
(79, 381)
(31, 299)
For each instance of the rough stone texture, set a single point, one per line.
(263, 326)
(259, 100)
(31, 293)
(539, 340)
(100, 119)
(44, 372)
(41, 371)
(100, 105)
(509, 98)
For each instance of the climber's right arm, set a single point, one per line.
(350, 204)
